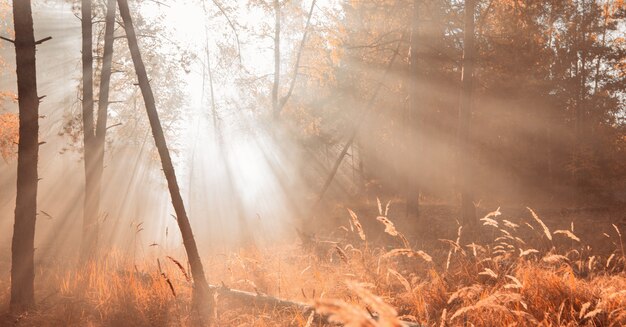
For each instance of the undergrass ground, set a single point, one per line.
(522, 268)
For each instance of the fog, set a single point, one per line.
(312, 162)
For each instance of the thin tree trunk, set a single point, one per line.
(362, 179)
(103, 103)
(412, 191)
(202, 299)
(90, 211)
(580, 104)
(23, 249)
(551, 121)
(275, 104)
(599, 59)
(468, 210)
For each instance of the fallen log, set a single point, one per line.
(259, 299)
(264, 300)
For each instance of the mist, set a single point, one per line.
(384, 154)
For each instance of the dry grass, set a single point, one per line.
(523, 274)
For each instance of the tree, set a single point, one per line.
(23, 247)
(283, 12)
(94, 138)
(528, 100)
(468, 210)
(103, 103)
(412, 191)
(533, 62)
(90, 210)
(163, 57)
(201, 293)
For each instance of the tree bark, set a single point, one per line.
(103, 95)
(468, 210)
(23, 244)
(91, 201)
(201, 293)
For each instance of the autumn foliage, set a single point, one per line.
(9, 136)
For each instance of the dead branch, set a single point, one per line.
(258, 299)
(297, 65)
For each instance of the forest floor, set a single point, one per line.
(551, 268)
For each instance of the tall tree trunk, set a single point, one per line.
(550, 118)
(90, 211)
(103, 104)
(468, 210)
(275, 104)
(23, 249)
(412, 191)
(580, 103)
(201, 295)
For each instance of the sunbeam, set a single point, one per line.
(312, 163)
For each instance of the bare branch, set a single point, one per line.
(109, 127)
(7, 39)
(284, 99)
(219, 6)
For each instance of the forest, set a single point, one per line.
(381, 163)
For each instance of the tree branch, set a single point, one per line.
(219, 6)
(7, 39)
(284, 99)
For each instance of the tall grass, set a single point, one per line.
(524, 274)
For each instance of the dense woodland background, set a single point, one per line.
(548, 108)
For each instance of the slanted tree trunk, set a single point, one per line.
(468, 210)
(355, 132)
(412, 191)
(91, 203)
(23, 248)
(202, 298)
